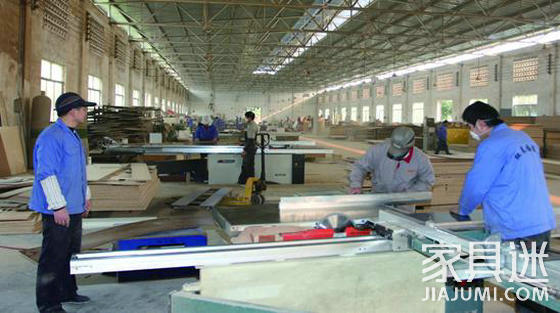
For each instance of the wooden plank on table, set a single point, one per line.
(186, 200)
(140, 172)
(101, 171)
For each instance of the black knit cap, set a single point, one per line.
(70, 100)
(481, 111)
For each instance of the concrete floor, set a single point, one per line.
(17, 273)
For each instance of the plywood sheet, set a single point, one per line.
(372, 283)
(140, 172)
(96, 172)
(12, 158)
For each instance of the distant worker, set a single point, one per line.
(395, 165)
(250, 148)
(60, 193)
(206, 133)
(219, 123)
(442, 138)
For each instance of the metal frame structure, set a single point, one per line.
(218, 44)
(188, 149)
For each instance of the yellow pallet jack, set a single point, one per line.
(254, 186)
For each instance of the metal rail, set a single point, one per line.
(223, 255)
(196, 149)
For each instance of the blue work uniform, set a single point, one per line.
(507, 178)
(219, 124)
(442, 133)
(206, 133)
(59, 152)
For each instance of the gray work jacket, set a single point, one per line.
(393, 176)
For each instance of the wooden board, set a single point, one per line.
(12, 157)
(14, 192)
(96, 172)
(10, 215)
(140, 172)
(187, 199)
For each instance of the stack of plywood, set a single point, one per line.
(19, 222)
(122, 187)
(450, 176)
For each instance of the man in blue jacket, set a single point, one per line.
(60, 193)
(206, 133)
(442, 138)
(507, 178)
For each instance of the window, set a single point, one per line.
(397, 89)
(354, 114)
(365, 114)
(119, 95)
(524, 105)
(156, 102)
(94, 90)
(418, 86)
(343, 114)
(327, 113)
(147, 100)
(525, 70)
(354, 94)
(397, 113)
(163, 105)
(320, 113)
(380, 113)
(52, 83)
(380, 91)
(478, 76)
(444, 81)
(444, 110)
(366, 93)
(342, 95)
(475, 100)
(417, 113)
(135, 98)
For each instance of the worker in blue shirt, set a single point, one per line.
(206, 133)
(60, 193)
(507, 178)
(442, 138)
(219, 123)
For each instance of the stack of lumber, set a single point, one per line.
(133, 123)
(19, 222)
(14, 182)
(15, 217)
(450, 176)
(337, 132)
(122, 187)
(552, 144)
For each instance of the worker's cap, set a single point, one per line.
(402, 139)
(206, 120)
(70, 100)
(480, 111)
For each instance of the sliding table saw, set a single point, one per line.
(378, 272)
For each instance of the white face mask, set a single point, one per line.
(475, 136)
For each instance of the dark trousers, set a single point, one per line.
(442, 145)
(54, 282)
(248, 166)
(529, 306)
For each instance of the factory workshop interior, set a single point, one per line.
(221, 156)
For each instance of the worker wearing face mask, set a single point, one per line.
(507, 178)
(396, 166)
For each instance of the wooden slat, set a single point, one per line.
(14, 192)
